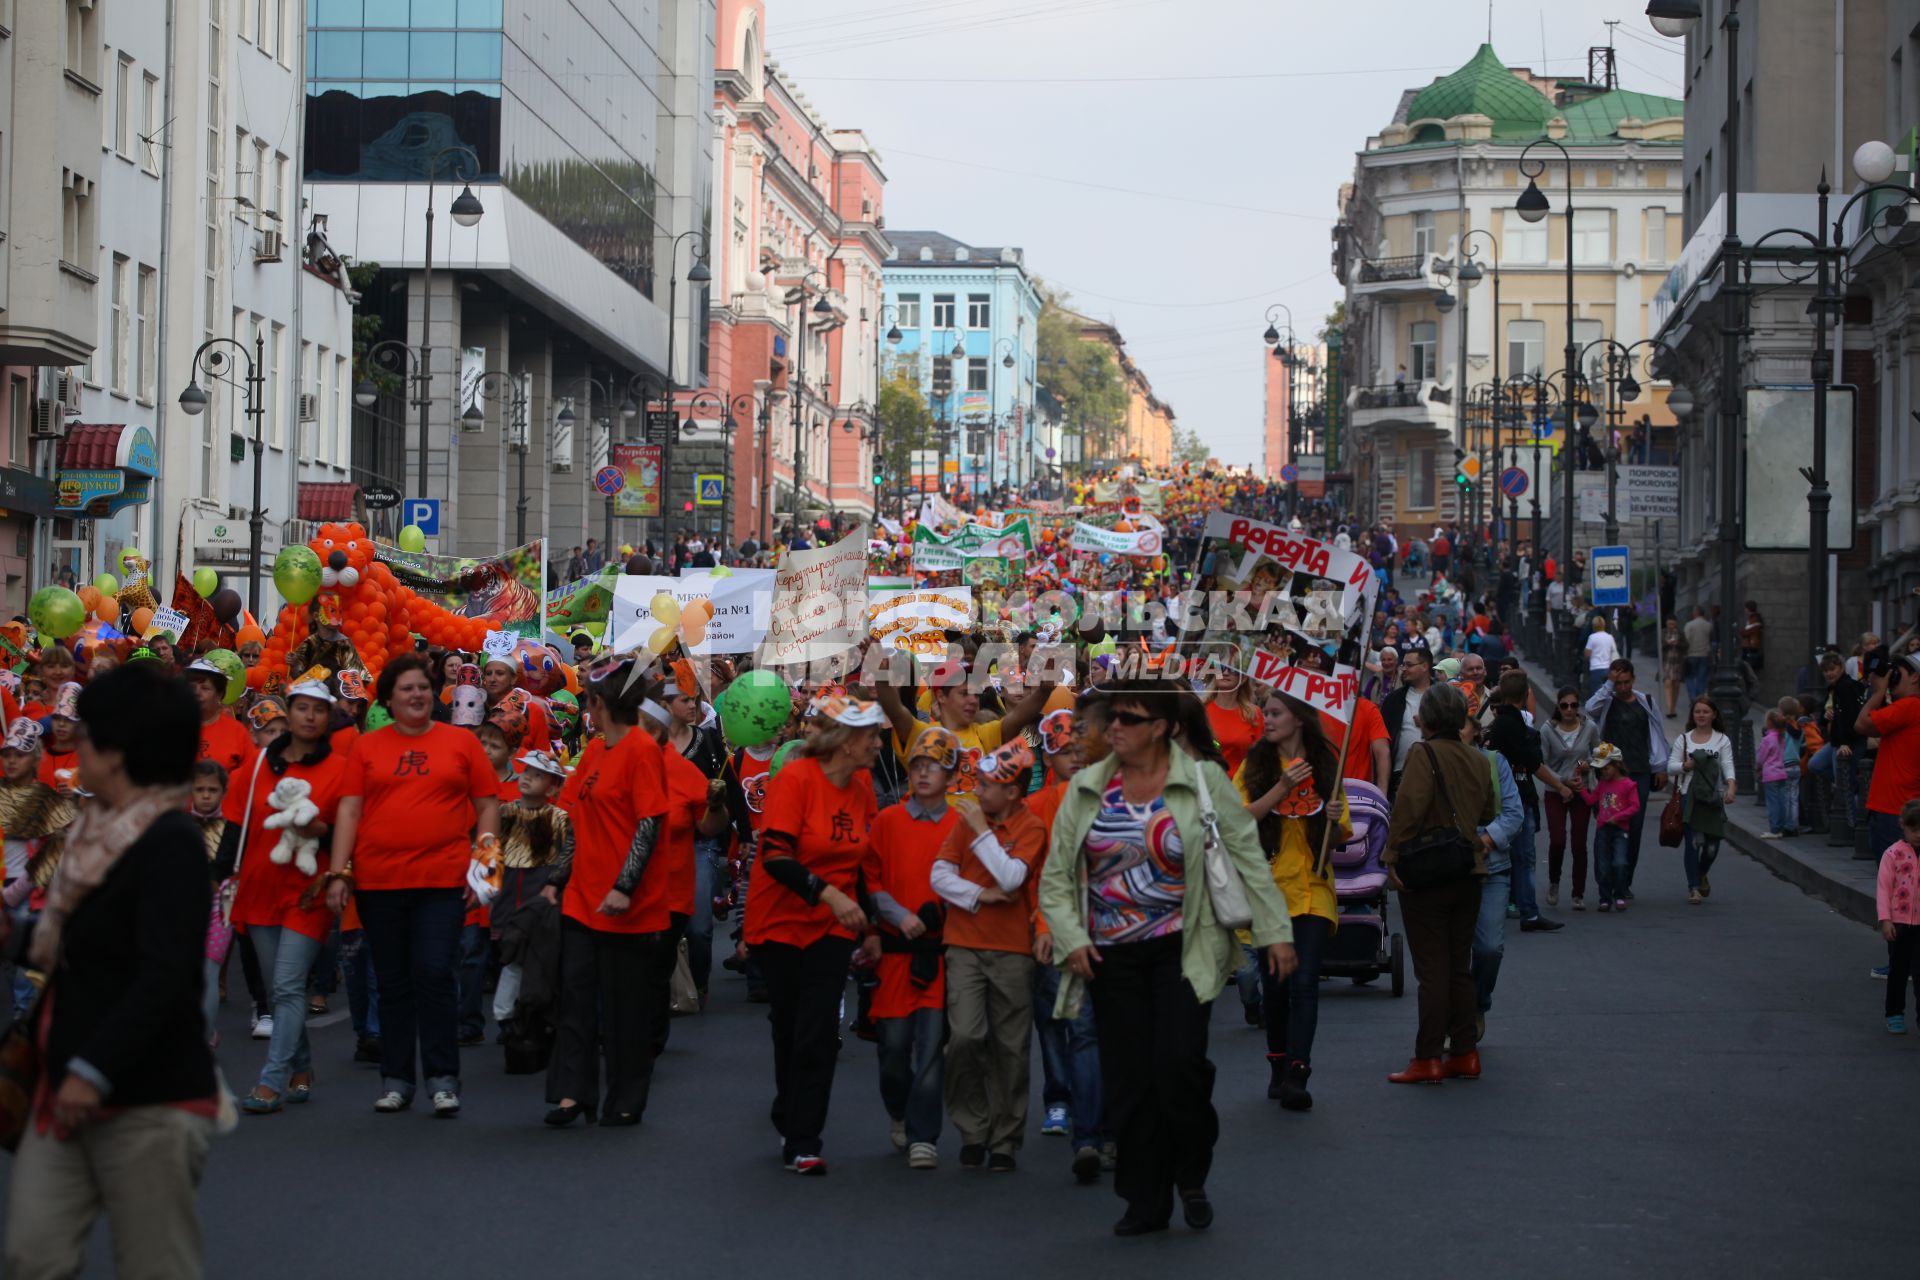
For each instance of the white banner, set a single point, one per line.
(935, 510)
(819, 603)
(742, 604)
(1143, 542)
(917, 621)
(1286, 552)
(1333, 694)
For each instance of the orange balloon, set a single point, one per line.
(141, 617)
(89, 597)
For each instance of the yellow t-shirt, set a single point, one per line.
(1292, 864)
(977, 738)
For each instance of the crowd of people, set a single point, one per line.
(955, 864)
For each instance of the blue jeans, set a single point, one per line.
(1643, 783)
(1695, 675)
(1293, 1003)
(1246, 979)
(1520, 853)
(1821, 762)
(1698, 854)
(709, 857)
(286, 956)
(1490, 936)
(363, 986)
(1783, 805)
(415, 936)
(1610, 861)
(472, 980)
(1073, 1051)
(913, 1071)
(1883, 829)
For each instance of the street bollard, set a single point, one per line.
(1840, 798)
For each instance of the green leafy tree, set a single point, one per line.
(1188, 447)
(906, 422)
(1082, 375)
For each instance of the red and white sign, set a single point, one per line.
(1333, 694)
(1297, 553)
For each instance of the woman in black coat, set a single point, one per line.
(127, 1096)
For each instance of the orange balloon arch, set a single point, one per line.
(378, 615)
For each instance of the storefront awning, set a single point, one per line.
(105, 467)
(328, 502)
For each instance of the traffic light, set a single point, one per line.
(1466, 468)
(878, 479)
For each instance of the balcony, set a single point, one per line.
(1402, 276)
(1396, 406)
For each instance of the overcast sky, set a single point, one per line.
(1173, 165)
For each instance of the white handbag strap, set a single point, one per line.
(246, 815)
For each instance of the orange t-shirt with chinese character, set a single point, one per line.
(830, 827)
(417, 815)
(611, 790)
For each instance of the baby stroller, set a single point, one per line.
(1361, 948)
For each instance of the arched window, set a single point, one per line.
(1430, 133)
(750, 58)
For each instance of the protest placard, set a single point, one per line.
(819, 603)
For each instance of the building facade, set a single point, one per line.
(794, 331)
(977, 307)
(1144, 433)
(1440, 181)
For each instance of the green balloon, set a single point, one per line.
(787, 751)
(56, 612)
(235, 671)
(296, 572)
(127, 556)
(377, 717)
(206, 582)
(107, 584)
(755, 709)
(413, 538)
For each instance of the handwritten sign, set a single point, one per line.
(819, 603)
(917, 621)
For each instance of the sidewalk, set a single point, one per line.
(1828, 872)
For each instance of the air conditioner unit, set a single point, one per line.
(309, 407)
(49, 420)
(63, 388)
(267, 248)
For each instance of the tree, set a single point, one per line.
(1081, 374)
(1336, 319)
(1188, 447)
(906, 423)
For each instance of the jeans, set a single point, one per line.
(1698, 854)
(415, 936)
(1293, 1002)
(363, 986)
(1610, 861)
(1783, 805)
(1696, 676)
(1520, 853)
(913, 1071)
(1643, 782)
(1246, 979)
(1489, 937)
(286, 957)
(324, 979)
(472, 980)
(1882, 830)
(1821, 762)
(709, 858)
(1596, 677)
(1069, 1059)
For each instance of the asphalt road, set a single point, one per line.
(1702, 1090)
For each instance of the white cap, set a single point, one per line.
(315, 689)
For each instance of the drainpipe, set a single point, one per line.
(156, 544)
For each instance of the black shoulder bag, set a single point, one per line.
(1439, 855)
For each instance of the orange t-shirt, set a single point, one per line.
(686, 802)
(753, 787)
(609, 793)
(1233, 732)
(269, 893)
(417, 813)
(54, 763)
(1001, 926)
(830, 827)
(225, 742)
(1369, 727)
(904, 849)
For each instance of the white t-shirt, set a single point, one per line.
(1601, 651)
(1409, 728)
(1342, 541)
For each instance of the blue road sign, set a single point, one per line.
(1612, 583)
(1513, 482)
(1543, 429)
(424, 512)
(1289, 473)
(609, 480)
(710, 490)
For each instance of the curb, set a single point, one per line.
(1777, 856)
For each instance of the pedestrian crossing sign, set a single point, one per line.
(710, 490)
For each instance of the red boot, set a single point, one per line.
(1419, 1071)
(1462, 1066)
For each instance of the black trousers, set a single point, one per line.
(1439, 923)
(1900, 968)
(1154, 1067)
(614, 996)
(804, 986)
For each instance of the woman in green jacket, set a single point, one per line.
(1133, 926)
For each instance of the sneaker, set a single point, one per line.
(1619, 904)
(1055, 1125)
(1769, 835)
(1880, 973)
(263, 1026)
(923, 1155)
(1579, 904)
(1605, 906)
(973, 1155)
(1513, 912)
(809, 1166)
(1553, 895)
(1086, 1165)
(446, 1104)
(1693, 897)
(1897, 1024)
(897, 1131)
(1000, 1162)
(391, 1100)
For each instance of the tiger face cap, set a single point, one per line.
(1056, 731)
(1010, 764)
(936, 744)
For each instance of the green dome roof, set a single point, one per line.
(1485, 87)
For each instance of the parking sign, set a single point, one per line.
(423, 512)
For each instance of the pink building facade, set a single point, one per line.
(1273, 453)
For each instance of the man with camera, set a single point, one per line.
(1891, 714)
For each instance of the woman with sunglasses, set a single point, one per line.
(1125, 897)
(1566, 741)
(802, 918)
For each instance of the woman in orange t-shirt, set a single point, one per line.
(696, 808)
(617, 940)
(1233, 717)
(416, 797)
(802, 917)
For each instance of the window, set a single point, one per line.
(1423, 233)
(976, 374)
(1420, 478)
(242, 157)
(261, 20)
(337, 414)
(1420, 351)
(979, 311)
(276, 363)
(283, 47)
(908, 309)
(943, 311)
(1523, 243)
(79, 246)
(1656, 235)
(1526, 346)
(83, 39)
(279, 199)
(146, 335)
(1585, 333)
(117, 326)
(19, 424)
(123, 107)
(150, 139)
(307, 443)
(1592, 237)
(257, 182)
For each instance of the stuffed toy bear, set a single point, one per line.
(291, 801)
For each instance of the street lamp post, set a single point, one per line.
(1532, 207)
(497, 384)
(696, 274)
(957, 367)
(466, 212)
(213, 359)
(799, 415)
